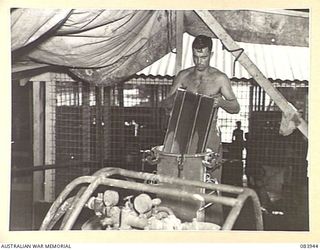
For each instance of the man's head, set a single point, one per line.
(238, 124)
(201, 42)
(201, 49)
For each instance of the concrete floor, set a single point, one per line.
(21, 204)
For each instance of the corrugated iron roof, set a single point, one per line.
(274, 61)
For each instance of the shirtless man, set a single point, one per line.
(207, 80)
(204, 79)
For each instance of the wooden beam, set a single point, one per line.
(292, 13)
(44, 113)
(38, 142)
(255, 26)
(287, 109)
(179, 39)
(50, 146)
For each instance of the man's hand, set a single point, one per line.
(231, 106)
(217, 101)
(167, 104)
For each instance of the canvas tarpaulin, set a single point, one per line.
(110, 42)
(107, 46)
(27, 25)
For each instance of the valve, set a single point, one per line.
(96, 204)
(142, 203)
(128, 203)
(210, 160)
(110, 198)
(150, 157)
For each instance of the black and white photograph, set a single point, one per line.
(189, 120)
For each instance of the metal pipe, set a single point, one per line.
(173, 180)
(244, 192)
(256, 208)
(51, 166)
(141, 187)
(60, 212)
(100, 178)
(64, 194)
(168, 191)
(78, 205)
(103, 172)
(69, 211)
(235, 211)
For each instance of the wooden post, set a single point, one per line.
(50, 145)
(252, 69)
(43, 136)
(100, 125)
(107, 123)
(86, 122)
(38, 139)
(179, 39)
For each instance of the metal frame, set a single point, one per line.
(72, 206)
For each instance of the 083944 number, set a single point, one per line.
(308, 246)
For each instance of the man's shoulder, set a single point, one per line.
(217, 73)
(183, 74)
(186, 71)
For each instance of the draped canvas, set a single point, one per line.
(107, 46)
(27, 25)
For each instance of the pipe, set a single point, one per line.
(173, 180)
(100, 178)
(60, 212)
(141, 187)
(64, 194)
(235, 211)
(104, 172)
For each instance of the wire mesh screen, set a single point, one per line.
(75, 130)
(275, 164)
(226, 121)
(137, 120)
(111, 126)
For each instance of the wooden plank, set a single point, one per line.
(179, 39)
(252, 69)
(49, 178)
(38, 142)
(85, 123)
(107, 123)
(292, 13)
(255, 26)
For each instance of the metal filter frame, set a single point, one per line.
(70, 207)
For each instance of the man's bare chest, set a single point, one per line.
(201, 85)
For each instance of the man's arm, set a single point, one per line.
(229, 101)
(177, 83)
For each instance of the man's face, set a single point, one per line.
(201, 58)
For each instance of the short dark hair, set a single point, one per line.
(201, 42)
